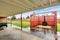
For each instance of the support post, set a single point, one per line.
(21, 21)
(6, 19)
(10, 22)
(55, 19)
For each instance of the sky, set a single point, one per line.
(53, 8)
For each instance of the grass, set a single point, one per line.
(24, 24)
(58, 27)
(16, 23)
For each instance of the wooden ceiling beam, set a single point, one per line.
(41, 3)
(50, 2)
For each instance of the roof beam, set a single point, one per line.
(21, 3)
(41, 3)
(50, 2)
(12, 3)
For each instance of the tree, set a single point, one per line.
(27, 17)
(8, 18)
(13, 18)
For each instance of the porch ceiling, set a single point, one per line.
(12, 7)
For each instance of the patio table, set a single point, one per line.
(45, 28)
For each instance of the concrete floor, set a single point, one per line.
(48, 36)
(13, 33)
(10, 33)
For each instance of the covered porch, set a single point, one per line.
(13, 7)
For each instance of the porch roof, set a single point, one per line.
(12, 7)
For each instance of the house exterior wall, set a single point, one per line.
(38, 20)
(58, 20)
(2, 19)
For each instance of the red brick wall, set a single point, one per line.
(37, 20)
(49, 20)
(2, 19)
(58, 20)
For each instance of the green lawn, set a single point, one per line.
(27, 24)
(58, 27)
(24, 24)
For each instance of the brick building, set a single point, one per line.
(58, 20)
(2, 19)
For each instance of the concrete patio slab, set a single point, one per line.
(48, 36)
(14, 34)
